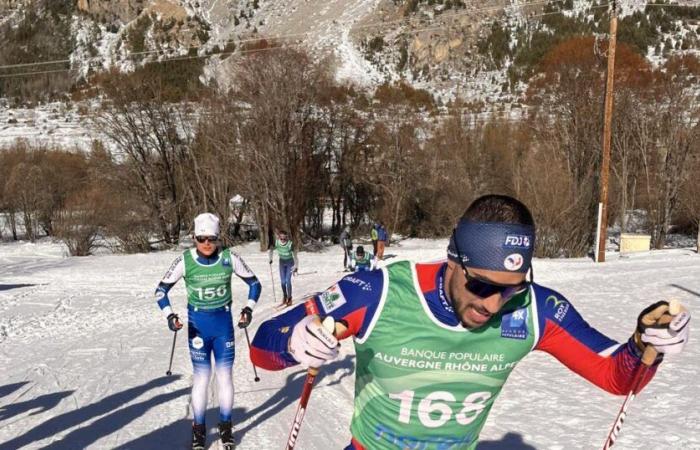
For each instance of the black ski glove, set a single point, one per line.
(174, 322)
(246, 317)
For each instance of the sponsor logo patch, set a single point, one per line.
(229, 344)
(513, 262)
(332, 299)
(226, 262)
(197, 343)
(560, 305)
(364, 285)
(514, 325)
(517, 241)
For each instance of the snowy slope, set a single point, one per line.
(84, 351)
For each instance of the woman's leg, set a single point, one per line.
(200, 353)
(284, 271)
(224, 353)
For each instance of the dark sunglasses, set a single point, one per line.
(203, 239)
(485, 288)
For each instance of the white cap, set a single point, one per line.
(206, 224)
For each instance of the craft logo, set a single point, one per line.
(226, 262)
(513, 262)
(514, 325)
(517, 241)
(364, 285)
(332, 299)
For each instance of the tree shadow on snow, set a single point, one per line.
(10, 388)
(115, 419)
(36, 405)
(177, 435)
(7, 287)
(180, 431)
(510, 441)
(289, 394)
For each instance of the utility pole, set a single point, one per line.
(607, 132)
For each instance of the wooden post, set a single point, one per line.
(607, 131)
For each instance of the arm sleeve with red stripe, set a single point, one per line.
(353, 300)
(583, 349)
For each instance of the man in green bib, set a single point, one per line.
(288, 263)
(436, 342)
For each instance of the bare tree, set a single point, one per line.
(676, 131)
(279, 143)
(154, 138)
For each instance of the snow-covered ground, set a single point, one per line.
(53, 124)
(84, 350)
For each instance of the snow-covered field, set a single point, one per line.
(84, 350)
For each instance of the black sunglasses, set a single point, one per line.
(485, 288)
(203, 239)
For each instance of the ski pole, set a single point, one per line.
(172, 352)
(311, 309)
(648, 358)
(255, 370)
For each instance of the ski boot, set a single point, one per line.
(288, 301)
(226, 436)
(199, 436)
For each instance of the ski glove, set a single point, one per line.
(311, 344)
(174, 322)
(657, 327)
(246, 317)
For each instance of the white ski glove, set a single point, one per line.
(666, 332)
(312, 344)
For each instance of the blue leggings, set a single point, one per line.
(211, 332)
(286, 276)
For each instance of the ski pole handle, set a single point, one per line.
(648, 358)
(337, 329)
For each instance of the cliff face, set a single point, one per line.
(112, 10)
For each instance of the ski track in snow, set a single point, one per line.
(85, 349)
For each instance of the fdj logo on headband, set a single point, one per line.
(517, 241)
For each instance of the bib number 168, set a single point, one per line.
(434, 410)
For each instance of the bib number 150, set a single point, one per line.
(211, 293)
(434, 410)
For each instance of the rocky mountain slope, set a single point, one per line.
(478, 51)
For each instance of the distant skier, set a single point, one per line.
(382, 238)
(207, 270)
(362, 260)
(289, 264)
(374, 237)
(435, 342)
(346, 244)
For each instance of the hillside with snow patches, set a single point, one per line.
(85, 349)
(449, 48)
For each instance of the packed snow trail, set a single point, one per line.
(84, 350)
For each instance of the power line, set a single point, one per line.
(246, 52)
(285, 44)
(302, 34)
